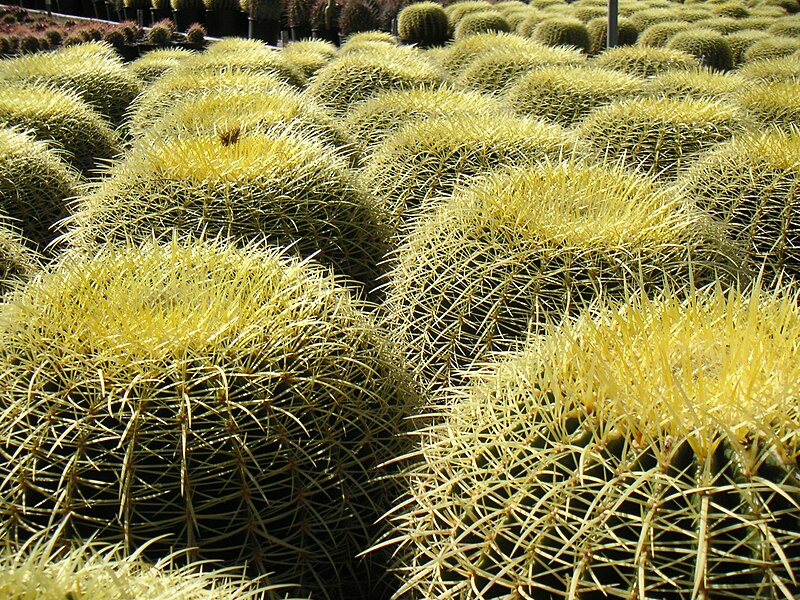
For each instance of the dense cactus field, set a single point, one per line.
(482, 310)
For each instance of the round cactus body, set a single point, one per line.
(156, 62)
(645, 61)
(771, 70)
(785, 28)
(179, 85)
(519, 248)
(658, 34)
(772, 47)
(456, 56)
(740, 41)
(563, 31)
(458, 10)
(648, 452)
(723, 25)
(367, 41)
(480, 22)
(35, 183)
(699, 83)
(234, 401)
(251, 111)
(62, 119)
(496, 71)
(424, 24)
(246, 60)
(356, 77)
(99, 80)
(566, 94)
(752, 183)
(709, 46)
(103, 572)
(279, 187)
(426, 160)
(309, 55)
(773, 103)
(372, 121)
(627, 33)
(646, 17)
(661, 135)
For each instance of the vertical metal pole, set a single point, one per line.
(612, 31)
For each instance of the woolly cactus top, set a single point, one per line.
(715, 364)
(576, 205)
(132, 309)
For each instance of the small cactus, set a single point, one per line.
(159, 35)
(707, 45)
(424, 24)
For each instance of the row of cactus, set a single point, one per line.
(157, 407)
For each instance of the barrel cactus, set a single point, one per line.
(723, 25)
(771, 47)
(709, 46)
(35, 183)
(103, 572)
(251, 111)
(740, 41)
(372, 121)
(97, 78)
(457, 56)
(566, 94)
(356, 77)
(773, 103)
(563, 31)
(480, 22)
(658, 34)
(519, 248)
(279, 186)
(309, 55)
(62, 119)
(645, 452)
(661, 135)
(700, 83)
(752, 183)
(645, 61)
(771, 70)
(627, 33)
(428, 159)
(496, 71)
(255, 59)
(181, 85)
(156, 62)
(424, 24)
(234, 403)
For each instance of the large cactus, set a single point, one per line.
(520, 248)
(235, 403)
(648, 452)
